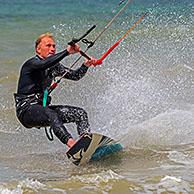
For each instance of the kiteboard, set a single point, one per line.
(92, 147)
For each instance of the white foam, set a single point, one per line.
(181, 158)
(104, 176)
(11, 191)
(169, 184)
(170, 128)
(33, 184)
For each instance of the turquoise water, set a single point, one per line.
(143, 95)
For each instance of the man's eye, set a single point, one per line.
(51, 45)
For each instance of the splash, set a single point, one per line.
(147, 84)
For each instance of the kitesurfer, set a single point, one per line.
(37, 74)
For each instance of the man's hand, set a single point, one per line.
(75, 48)
(90, 62)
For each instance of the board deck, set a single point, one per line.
(92, 147)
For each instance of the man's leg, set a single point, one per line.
(73, 114)
(38, 116)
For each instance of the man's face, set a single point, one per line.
(46, 47)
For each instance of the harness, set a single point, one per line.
(22, 101)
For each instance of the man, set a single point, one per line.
(36, 76)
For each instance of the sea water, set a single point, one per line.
(142, 96)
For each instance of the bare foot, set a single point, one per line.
(70, 142)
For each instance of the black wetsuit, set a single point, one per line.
(36, 75)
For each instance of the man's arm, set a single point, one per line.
(50, 61)
(71, 74)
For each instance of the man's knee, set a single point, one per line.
(82, 112)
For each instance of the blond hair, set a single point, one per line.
(38, 40)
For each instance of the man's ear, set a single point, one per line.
(38, 49)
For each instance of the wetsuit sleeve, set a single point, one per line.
(38, 63)
(72, 74)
